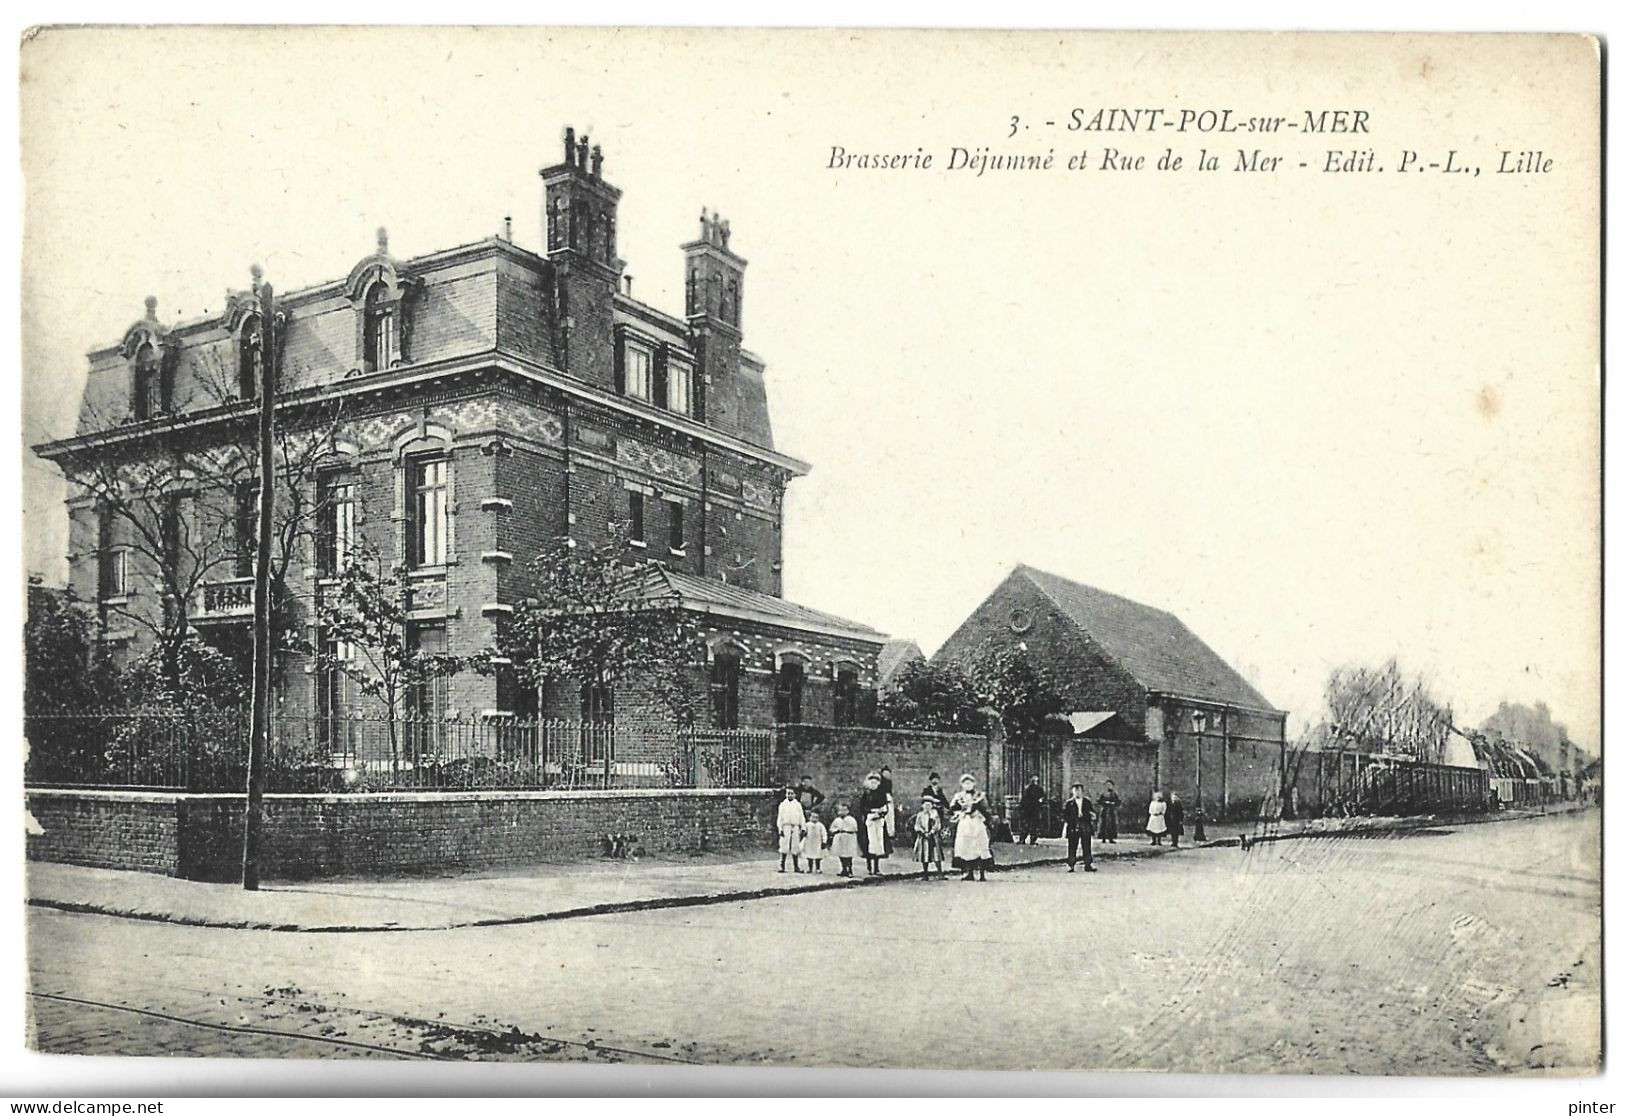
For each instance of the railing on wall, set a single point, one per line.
(206, 752)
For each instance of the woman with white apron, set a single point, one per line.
(973, 850)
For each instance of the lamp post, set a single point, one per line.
(260, 691)
(1199, 723)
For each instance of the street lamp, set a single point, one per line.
(1199, 723)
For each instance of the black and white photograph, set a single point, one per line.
(813, 550)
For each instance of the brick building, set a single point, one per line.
(468, 407)
(1148, 699)
(895, 656)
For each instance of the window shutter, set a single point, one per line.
(620, 363)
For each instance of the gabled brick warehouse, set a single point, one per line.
(1173, 697)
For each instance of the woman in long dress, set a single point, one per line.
(873, 806)
(1107, 805)
(973, 851)
(891, 807)
(1156, 822)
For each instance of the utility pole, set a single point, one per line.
(259, 730)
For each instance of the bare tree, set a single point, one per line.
(178, 499)
(1381, 709)
(599, 617)
(365, 636)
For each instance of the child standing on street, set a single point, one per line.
(813, 840)
(928, 837)
(843, 838)
(791, 822)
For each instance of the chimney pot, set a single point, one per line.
(383, 241)
(152, 307)
(507, 229)
(570, 146)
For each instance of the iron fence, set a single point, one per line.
(207, 752)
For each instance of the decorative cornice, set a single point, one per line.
(418, 374)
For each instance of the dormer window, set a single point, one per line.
(148, 387)
(248, 360)
(380, 329)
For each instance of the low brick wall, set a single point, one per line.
(1131, 767)
(838, 757)
(102, 829)
(305, 836)
(1249, 769)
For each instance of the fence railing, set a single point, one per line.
(1349, 783)
(207, 752)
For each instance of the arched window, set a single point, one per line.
(380, 344)
(609, 239)
(730, 307)
(248, 359)
(725, 671)
(147, 388)
(792, 677)
(846, 694)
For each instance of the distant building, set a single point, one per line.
(896, 654)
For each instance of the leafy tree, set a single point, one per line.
(65, 677)
(64, 669)
(184, 722)
(1020, 690)
(937, 696)
(364, 635)
(599, 616)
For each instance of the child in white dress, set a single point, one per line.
(791, 822)
(813, 840)
(843, 838)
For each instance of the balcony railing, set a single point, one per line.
(227, 597)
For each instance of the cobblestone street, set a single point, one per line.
(1462, 950)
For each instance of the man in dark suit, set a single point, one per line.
(1078, 820)
(1176, 819)
(810, 796)
(1032, 810)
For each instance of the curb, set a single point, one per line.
(741, 895)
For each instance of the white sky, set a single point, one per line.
(1321, 418)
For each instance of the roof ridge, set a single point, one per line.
(1076, 603)
(1030, 570)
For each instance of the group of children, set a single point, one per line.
(803, 835)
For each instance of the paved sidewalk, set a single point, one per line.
(553, 891)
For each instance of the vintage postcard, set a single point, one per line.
(818, 549)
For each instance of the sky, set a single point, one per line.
(1323, 418)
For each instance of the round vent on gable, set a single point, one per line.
(1021, 620)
